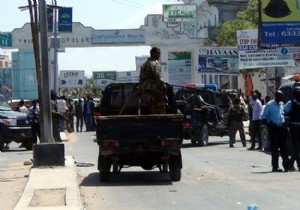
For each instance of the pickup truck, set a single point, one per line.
(195, 128)
(128, 135)
(14, 126)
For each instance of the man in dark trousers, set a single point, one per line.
(273, 116)
(79, 109)
(235, 122)
(292, 108)
(34, 115)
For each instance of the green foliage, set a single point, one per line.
(89, 89)
(247, 19)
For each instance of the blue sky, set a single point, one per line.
(99, 14)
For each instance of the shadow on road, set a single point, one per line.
(188, 144)
(129, 178)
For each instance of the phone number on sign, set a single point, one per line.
(290, 33)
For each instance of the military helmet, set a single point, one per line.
(296, 89)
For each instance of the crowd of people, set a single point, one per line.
(63, 111)
(273, 113)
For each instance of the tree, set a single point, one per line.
(247, 19)
(89, 89)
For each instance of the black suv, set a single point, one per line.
(14, 126)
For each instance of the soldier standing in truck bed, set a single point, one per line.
(151, 84)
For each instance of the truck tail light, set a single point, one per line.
(171, 142)
(187, 124)
(109, 143)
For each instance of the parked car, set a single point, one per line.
(14, 126)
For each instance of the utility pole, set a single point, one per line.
(45, 86)
(56, 42)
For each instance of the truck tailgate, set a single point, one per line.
(130, 129)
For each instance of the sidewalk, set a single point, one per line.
(52, 187)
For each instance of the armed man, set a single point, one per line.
(152, 87)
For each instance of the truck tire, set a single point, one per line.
(104, 165)
(27, 144)
(1, 142)
(264, 134)
(175, 165)
(200, 135)
(203, 141)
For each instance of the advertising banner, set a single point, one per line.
(139, 60)
(250, 57)
(72, 79)
(65, 19)
(50, 13)
(180, 70)
(128, 76)
(104, 78)
(218, 60)
(177, 12)
(182, 18)
(279, 22)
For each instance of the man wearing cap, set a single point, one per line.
(273, 116)
(292, 108)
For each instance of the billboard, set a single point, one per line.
(279, 23)
(182, 18)
(177, 12)
(128, 76)
(72, 79)
(222, 60)
(180, 68)
(65, 19)
(250, 57)
(104, 78)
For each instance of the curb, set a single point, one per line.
(49, 179)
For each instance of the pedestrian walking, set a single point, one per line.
(70, 115)
(292, 109)
(33, 116)
(79, 110)
(236, 114)
(256, 122)
(273, 116)
(55, 117)
(89, 106)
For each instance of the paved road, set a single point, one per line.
(214, 177)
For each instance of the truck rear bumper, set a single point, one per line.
(140, 150)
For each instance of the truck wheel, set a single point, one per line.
(203, 140)
(264, 133)
(104, 166)
(27, 144)
(175, 166)
(1, 142)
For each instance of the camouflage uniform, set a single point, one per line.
(152, 87)
(235, 122)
